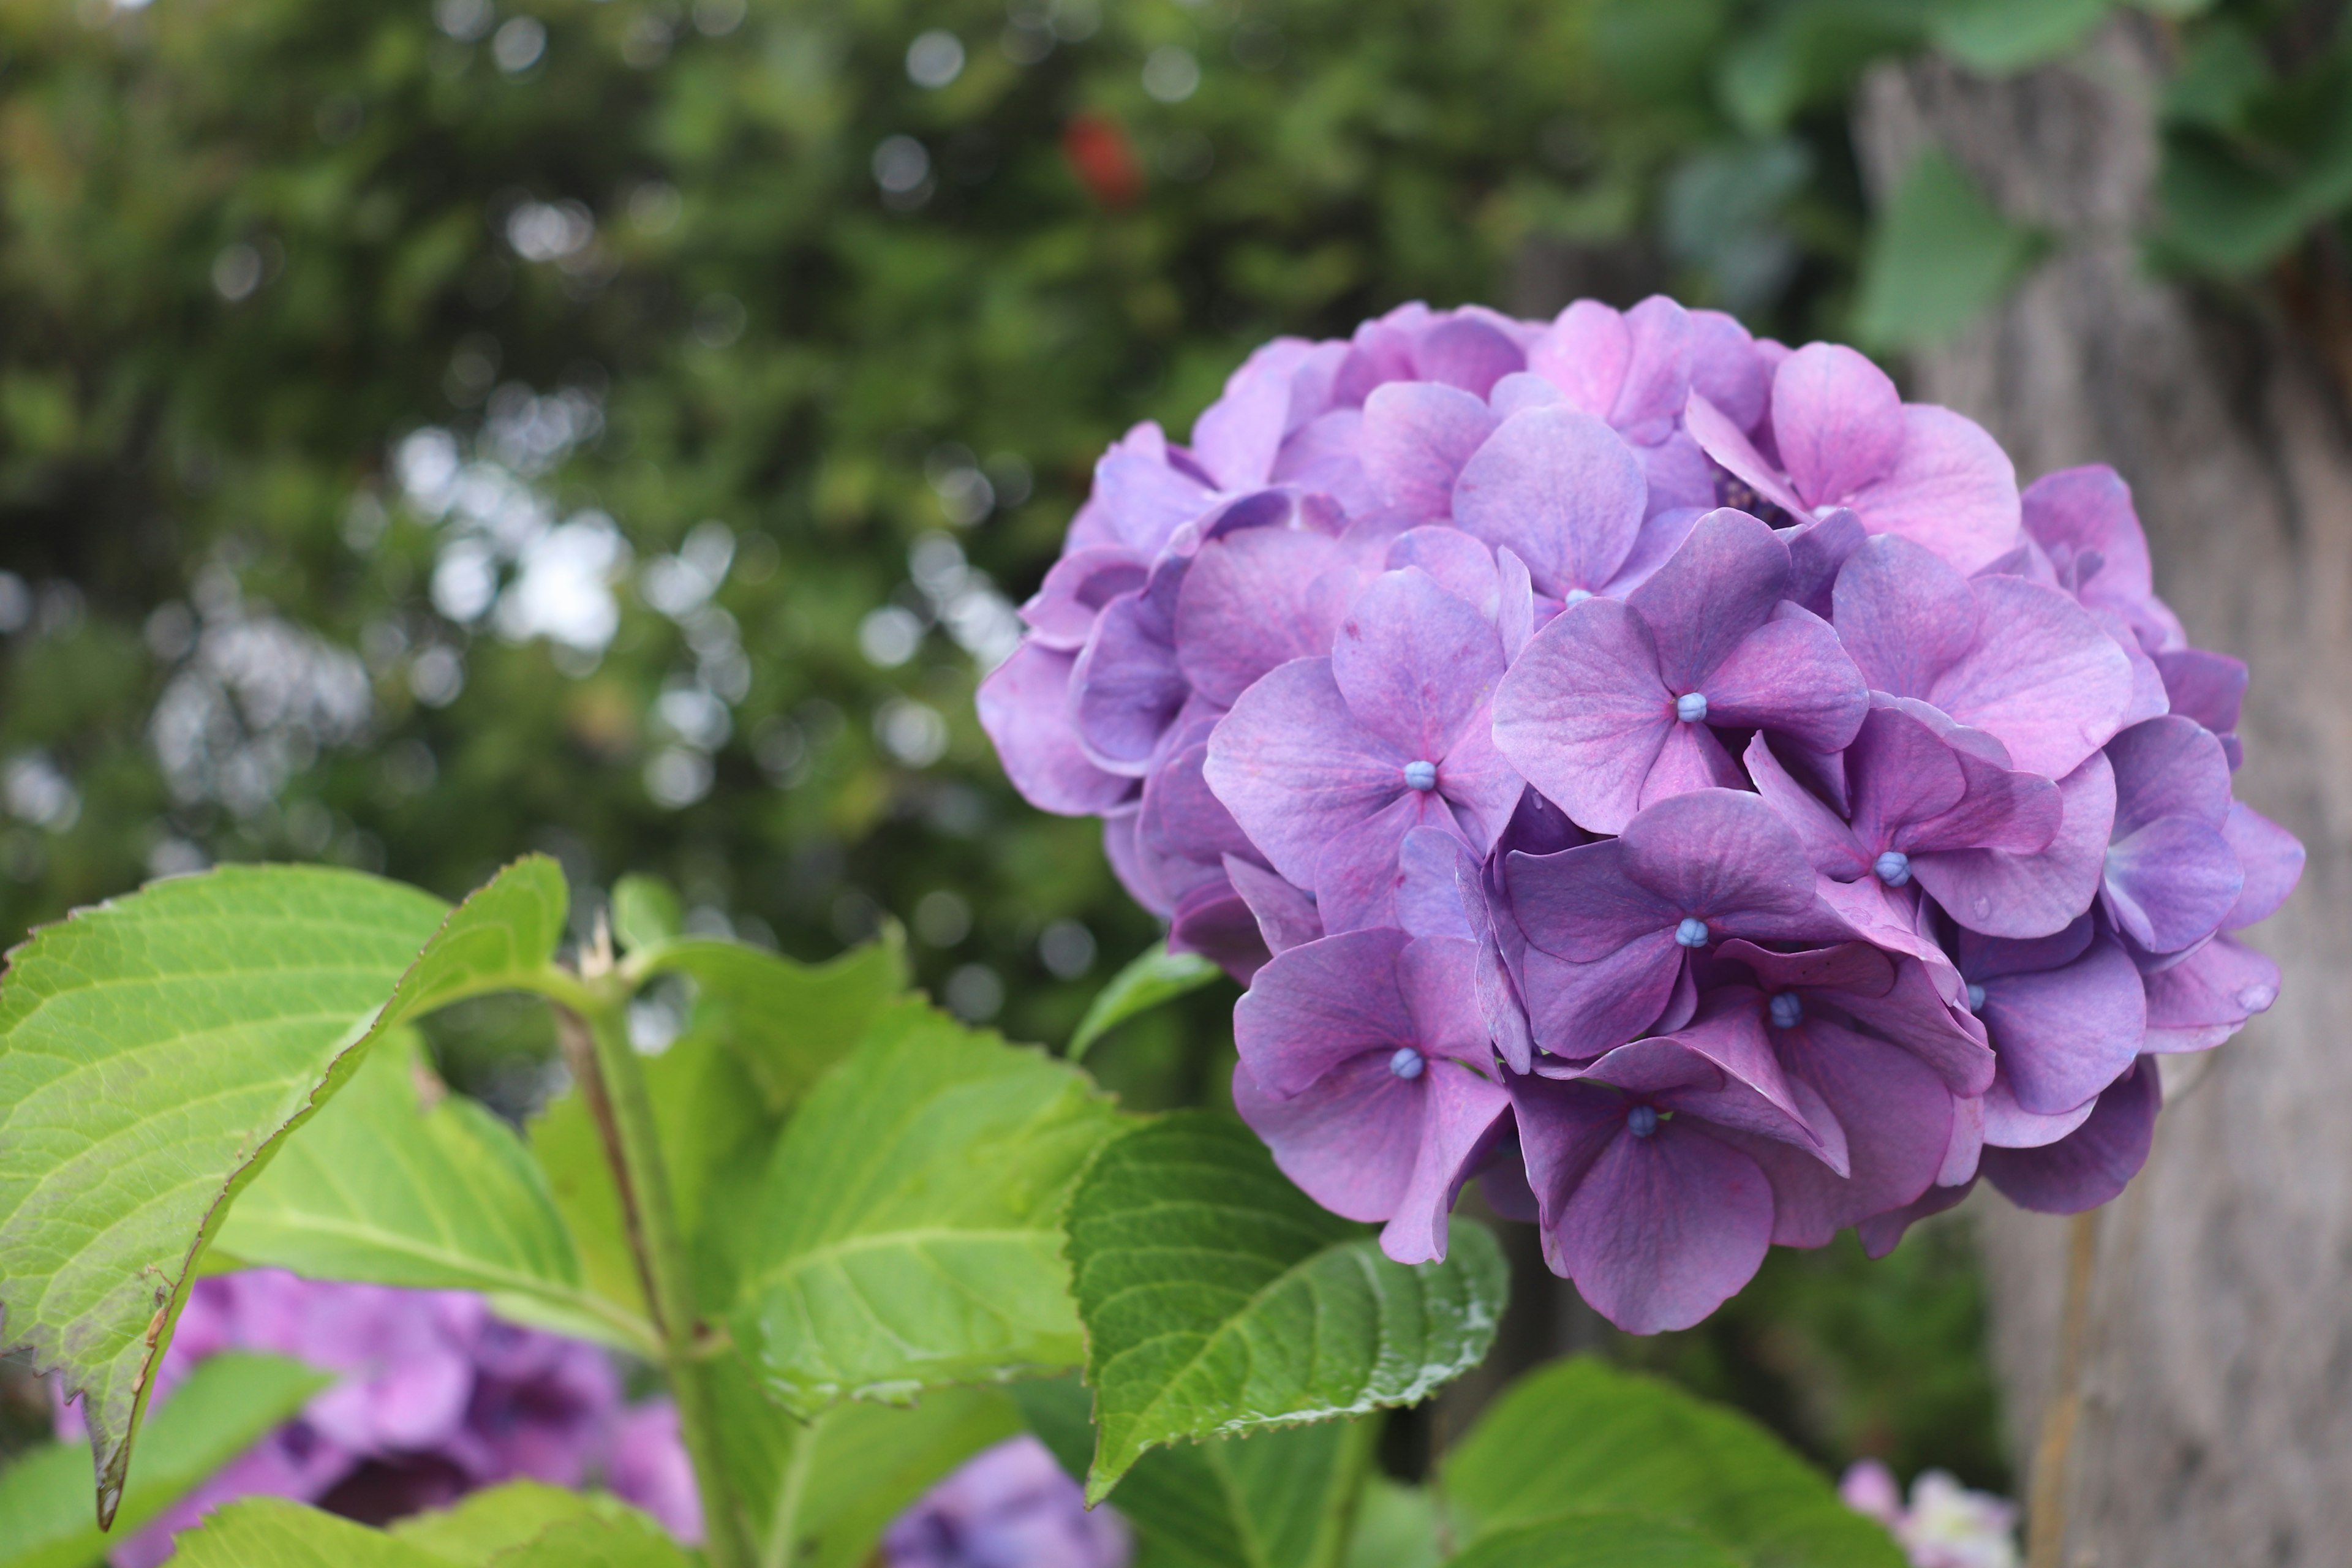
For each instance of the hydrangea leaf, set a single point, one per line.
(1996, 36)
(155, 1052)
(1396, 1527)
(646, 913)
(1219, 1299)
(396, 1181)
(788, 1021)
(907, 1235)
(1154, 979)
(479, 1528)
(1581, 1436)
(270, 1532)
(628, 1541)
(1598, 1541)
(1939, 255)
(228, 1402)
(1281, 1498)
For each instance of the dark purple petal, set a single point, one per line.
(1216, 922)
(1126, 688)
(1663, 1230)
(1286, 915)
(2202, 1001)
(1180, 820)
(1024, 707)
(1831, 844)
(1316, 1007)
(1350, 1140)
(2171, 883)
(1561, 490)
(2090, 1165)
(1580, 903)
(1837, 421)
(1583, 715)
(1137, 872)
(1417, 437)
(1577, 1011)
(1680, 480)
(1952, 490)
(1817, 550)
(1719, 586)
(1415, 663)
(1880, 1233)
(2272, 858)
(1746, 1088)
(1724, 857)
(2063, 1033)
(1462, 1117)
(1852, 968)
(1357, 876)
(1897, 1117)
(1296, 770)
(2023, 896)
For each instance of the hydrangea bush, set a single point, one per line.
(1659, 773)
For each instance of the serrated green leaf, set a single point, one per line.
(646, 913)
(627, 1540)
(909, 1231)
(378, 1188)
(1997, 37)
(1396, 1527)
(155, 1052)
(270, 1532)
(1939, 255)
(787, 1021)
(479, 1528)
(1281, 1498)
(228, 1403)
(152, 1052)
(1581, 1436)
(1218, 1298)
(1154, 979)
(1598, 1541)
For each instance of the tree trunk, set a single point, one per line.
(2216, 1411)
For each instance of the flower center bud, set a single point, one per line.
(1893, 868)
(1576, 595)
(1642, 1120)
(1788, 1011)
(1407, 1063)
(1420, 776)
(1976, 997)
(1691, 707)
(1692, 933)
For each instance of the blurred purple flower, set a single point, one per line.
(1010, 1507)
(1945, 1525)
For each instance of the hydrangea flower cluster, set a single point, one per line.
(435, 1398)
(1011, 1506)
(1945, 1525)
(1658, 771)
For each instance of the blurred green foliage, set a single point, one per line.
(431, 429)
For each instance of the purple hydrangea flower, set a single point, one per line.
(1010, 1507)
(1705, 753)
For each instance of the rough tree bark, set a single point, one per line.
(2217, 1396)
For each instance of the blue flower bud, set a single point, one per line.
(1976, 997)
(1641, 1122)
(1692, 933)
(1691, 707)
(1788, 1010)
(1893, 868)
(1407, 1063)
(1420, 776)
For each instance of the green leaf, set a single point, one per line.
(270, 1532)
(908, 1234)
(1598, 1541)
(1218, 1298)
(1579, 1436)
(1938, 256)
(646, 913)
(1156, 977)
(381, 1188)
(1997, 37)
(1280, 1499)
(154, 1052)
(228, 1403)
(480, 1527)
(1396, 1527)
(1808, 53)
(627, 1540)
(788, 1021)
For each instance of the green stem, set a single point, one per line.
(784, 1529)
(663, 1260)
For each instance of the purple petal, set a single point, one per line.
(1350, 1140)
(1851, 968)
(1559, 489)
(2170, 767)
(2196, 1004)
(1790, 676)
(1632, 370)
(1749, 1091)
(1723, 856)
(2042, 678)
(1521, 389)
(2207, 686)
(1479, 783)
(1457, 562)
(1583, 715)
(1216, 922)
(1728, 445)
(1830, 844)
(2077, 513)
(1661, 534)
(1577, 1011)
(1126, 688)
(2091, 1166)
(1914, 791)
(1679, 478)
(1663, 1230)
(2171, 883)
(1296, 770)
(1417, 437)
(1286, 915)
(2009, 1125)
(1580, 903)
(1897, 1117)
(1466, 352)
(1880, 1233)
(1415, 663)
(1691, 758)
(1236, 436)
(1905, 614)
(1356, 877)
(1024, 707)
(1837, 421)
(1726, 368)
(1142, 500)
(1913, 1014)
(2021, 896)
(1463, 1116)
(2272, 858)
(1316, 1007)
(1817, 550)
(1437, 875)
(1137, 872)
(1324, 457)
(1254, 599)
(1062, 610)
(1181, 820)
(1715, 589)
(1952, 490)
(1514, 609)
(2064, 1034)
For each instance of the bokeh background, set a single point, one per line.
(435, 429)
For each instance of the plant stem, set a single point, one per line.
(783, 1530)
(616, 1091)
(2053, 1456)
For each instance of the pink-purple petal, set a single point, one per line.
(1024, 709)
(1415, 663)
(1558, 487)
(1663, 1230)
(1583, 714)
(1952, 490)
(1416, 436)
(1837, 421)
(1293, 766)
